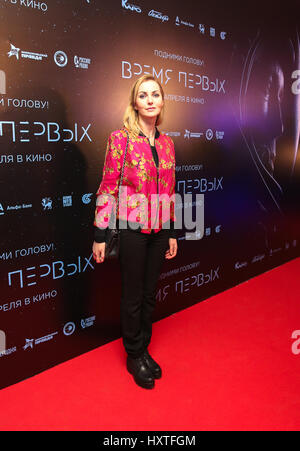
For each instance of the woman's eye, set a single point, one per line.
(142, 96)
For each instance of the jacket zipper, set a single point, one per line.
(157, 176)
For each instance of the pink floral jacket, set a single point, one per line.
(142, 181)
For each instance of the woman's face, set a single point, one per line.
(149, 101)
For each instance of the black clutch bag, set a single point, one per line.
(112, 240)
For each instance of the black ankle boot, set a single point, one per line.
(152, 365)
(140, 371)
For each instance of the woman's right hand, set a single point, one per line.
(99, 252)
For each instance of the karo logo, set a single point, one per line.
(131, 7)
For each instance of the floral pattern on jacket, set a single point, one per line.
(142, 180)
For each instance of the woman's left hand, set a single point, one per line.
(172, 251)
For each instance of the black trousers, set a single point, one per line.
(141, 258)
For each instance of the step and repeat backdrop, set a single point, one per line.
(232, 108)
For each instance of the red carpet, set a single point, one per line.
(227, 364)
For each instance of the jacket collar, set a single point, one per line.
(157, 134)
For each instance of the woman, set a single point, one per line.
(147, 232)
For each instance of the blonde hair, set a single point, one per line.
(131, 117)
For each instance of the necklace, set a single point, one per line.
(151, 135)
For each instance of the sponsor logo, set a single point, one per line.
(31, 342)
(219, 134)
(69, 328)
(18, 207)
(15, 51)
(67, 201)
(60, 58)
(158, 15)
(8, 351)
(208, 230)
(47, 203)
(209, 134)
(87, 322)
(188, 134)
(212, 31)
(172, 133)
(194, 236)
(86, 198)
(183, 22)
(130, 6)
(258, 258)
(14, 207)
(274, 251)
(81, 63)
